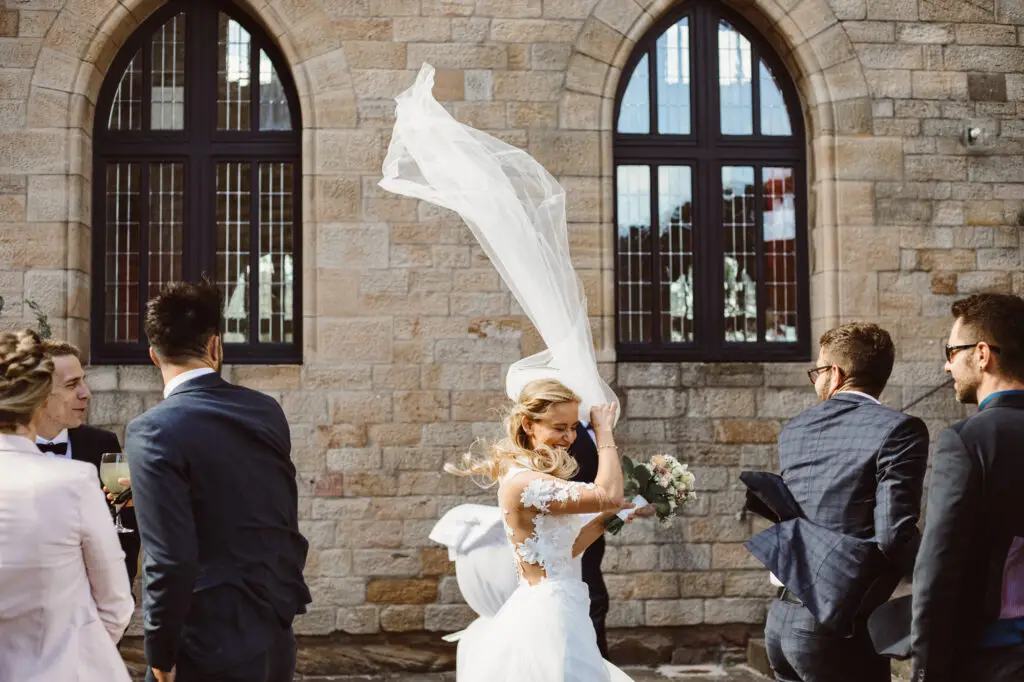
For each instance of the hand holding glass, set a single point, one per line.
(114, 470)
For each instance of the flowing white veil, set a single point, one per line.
(516, 210)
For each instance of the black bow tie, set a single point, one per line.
(55, 448)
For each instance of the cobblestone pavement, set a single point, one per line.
(668, 673)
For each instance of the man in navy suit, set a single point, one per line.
(217, 507)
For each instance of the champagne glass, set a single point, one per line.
(113, 467)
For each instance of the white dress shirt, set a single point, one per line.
(185, 376)
(61, 437)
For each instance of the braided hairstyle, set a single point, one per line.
(26, 378)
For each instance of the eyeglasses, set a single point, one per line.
(953, 350)
(813, 374)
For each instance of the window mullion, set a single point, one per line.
(657, 304)
(760, 286)
(254, 252)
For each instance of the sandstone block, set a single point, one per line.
(632, 375)
(869, 158)
(586, 75)
(348, 151)
(901, 10)
(673, 612)
(447, 617)
(534, 31)
(402, 618)
(355, 340)
(949, 260)
(315, 622)
(984, 58)
(721, 402)
(381, 562)
(625, 614)
(456, 56)
(985, 34)
(527, 86)
(568, 9)
(436, 562)
(880, 56)
(732, 555)
(619, 14)
(390, 591)
(625, 559)
(746, 430)
(748, 584)
(655, 403)
(422, 406)
(735, 610)
(702, 584)
(358, 620)
(354, 459)
(685, 557)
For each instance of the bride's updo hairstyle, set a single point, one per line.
(26, 377)
(536, 398)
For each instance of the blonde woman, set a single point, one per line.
(543, 632)
(64, 594)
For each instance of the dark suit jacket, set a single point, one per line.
(88, 444)
(584, 451)
(217, 505)
(975, 509)
(856, 469)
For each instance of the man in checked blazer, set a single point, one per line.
(857, 468)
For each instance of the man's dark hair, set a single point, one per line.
(864, 352)
(181, 319)
(998, 320)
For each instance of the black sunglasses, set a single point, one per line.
(953, 350)
(813, 374)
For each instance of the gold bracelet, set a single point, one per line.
(612, 447)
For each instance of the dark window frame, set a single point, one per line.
(706, 150)
(198, 147)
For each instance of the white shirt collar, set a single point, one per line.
(61, 437)
(11, 441)
(185, 376)
(865, 395)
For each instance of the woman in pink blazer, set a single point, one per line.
(64, 594)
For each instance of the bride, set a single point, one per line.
(543, 631)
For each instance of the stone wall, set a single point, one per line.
(408, 328)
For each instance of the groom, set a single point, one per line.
(217, 508)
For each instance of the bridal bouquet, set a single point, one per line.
(664, 482)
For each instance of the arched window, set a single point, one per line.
(197, 172)
(711, 247)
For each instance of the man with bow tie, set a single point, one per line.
(62, 432)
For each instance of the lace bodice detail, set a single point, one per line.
(550, 545)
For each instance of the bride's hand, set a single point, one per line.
(602, 416)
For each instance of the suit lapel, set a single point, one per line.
(83, 447)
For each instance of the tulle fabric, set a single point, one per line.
(516, 210)
(541, 634)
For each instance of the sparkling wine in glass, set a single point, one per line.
(113, 467)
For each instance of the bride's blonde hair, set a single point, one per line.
(536, 398)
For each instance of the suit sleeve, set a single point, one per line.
(902, 463)
(160, 481)
(951, 520)
(104, 560)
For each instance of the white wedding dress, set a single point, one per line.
(542, 632)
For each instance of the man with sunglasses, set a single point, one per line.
(969, 580)
(855, 467)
